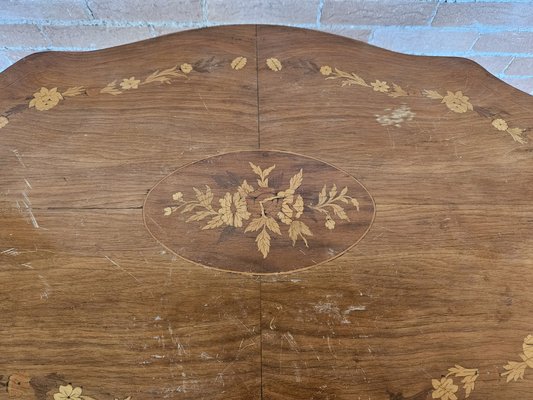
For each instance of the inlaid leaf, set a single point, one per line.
(111, 89)
(298, 206)
(299, 229)
(322, 196)
(238, 63)
(263, 242)
(397, 91)
(339, 212)
(515, 370)
(433, 94)
(199, 215)
(255, 224)
(516, 134)
(73, 91)
(333, 191)
(274, 64)
(215, 222)
(296, 180)
(272, 225)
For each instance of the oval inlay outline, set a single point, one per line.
(258, 212)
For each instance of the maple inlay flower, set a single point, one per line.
(444, 389)
(325, 70)
(45, 99)
(68, 393)
(233, 209)
(500, 124)
(457, 102)
(130, 83)
(380, 86)
(186, 68)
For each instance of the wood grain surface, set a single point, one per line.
(434, 302)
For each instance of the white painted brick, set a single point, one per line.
(21, 35)
(427, 41)
(386, 12)
(494, 64)
(43, 9)
(94, 37)
(513, 42)
(260, 11)
(503, 14)
(358, 34)
(521, 66)
(147, 10)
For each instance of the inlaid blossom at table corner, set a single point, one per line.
(3, 121)
(515, 370)
(45, 99)
(326, 70)
(186, 68)
(380, 86)
(444, 389)
(457, 102)
(130, 83)
(500, 124)
(68, 392)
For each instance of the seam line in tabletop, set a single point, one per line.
(257, 86)
(260, 278)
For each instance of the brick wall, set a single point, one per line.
(498, 34)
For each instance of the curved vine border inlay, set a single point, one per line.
(45, 99)
(455, 101)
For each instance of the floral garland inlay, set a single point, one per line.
(68, 392)
(446, 389)
(45, 99)
(455, 101)
(287, 205)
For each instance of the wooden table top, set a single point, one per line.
(252, 212)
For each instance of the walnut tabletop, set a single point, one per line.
(261, 212)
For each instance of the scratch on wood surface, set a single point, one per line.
(30, 213)
(291, 341)
(122, 269)
(47, 288)
(19, 157)
(10, 252)
(27, 183)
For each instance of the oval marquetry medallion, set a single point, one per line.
(259, 212)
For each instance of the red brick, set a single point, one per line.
(147, 10)
(358, 34)
(260, 11)
(426, 41)
(93, 37)
(524, 84)
(388, 12)
(495, 65)
(21, 35)
(511, 42)
(521, 66)
(505, 14)
(44, 9)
